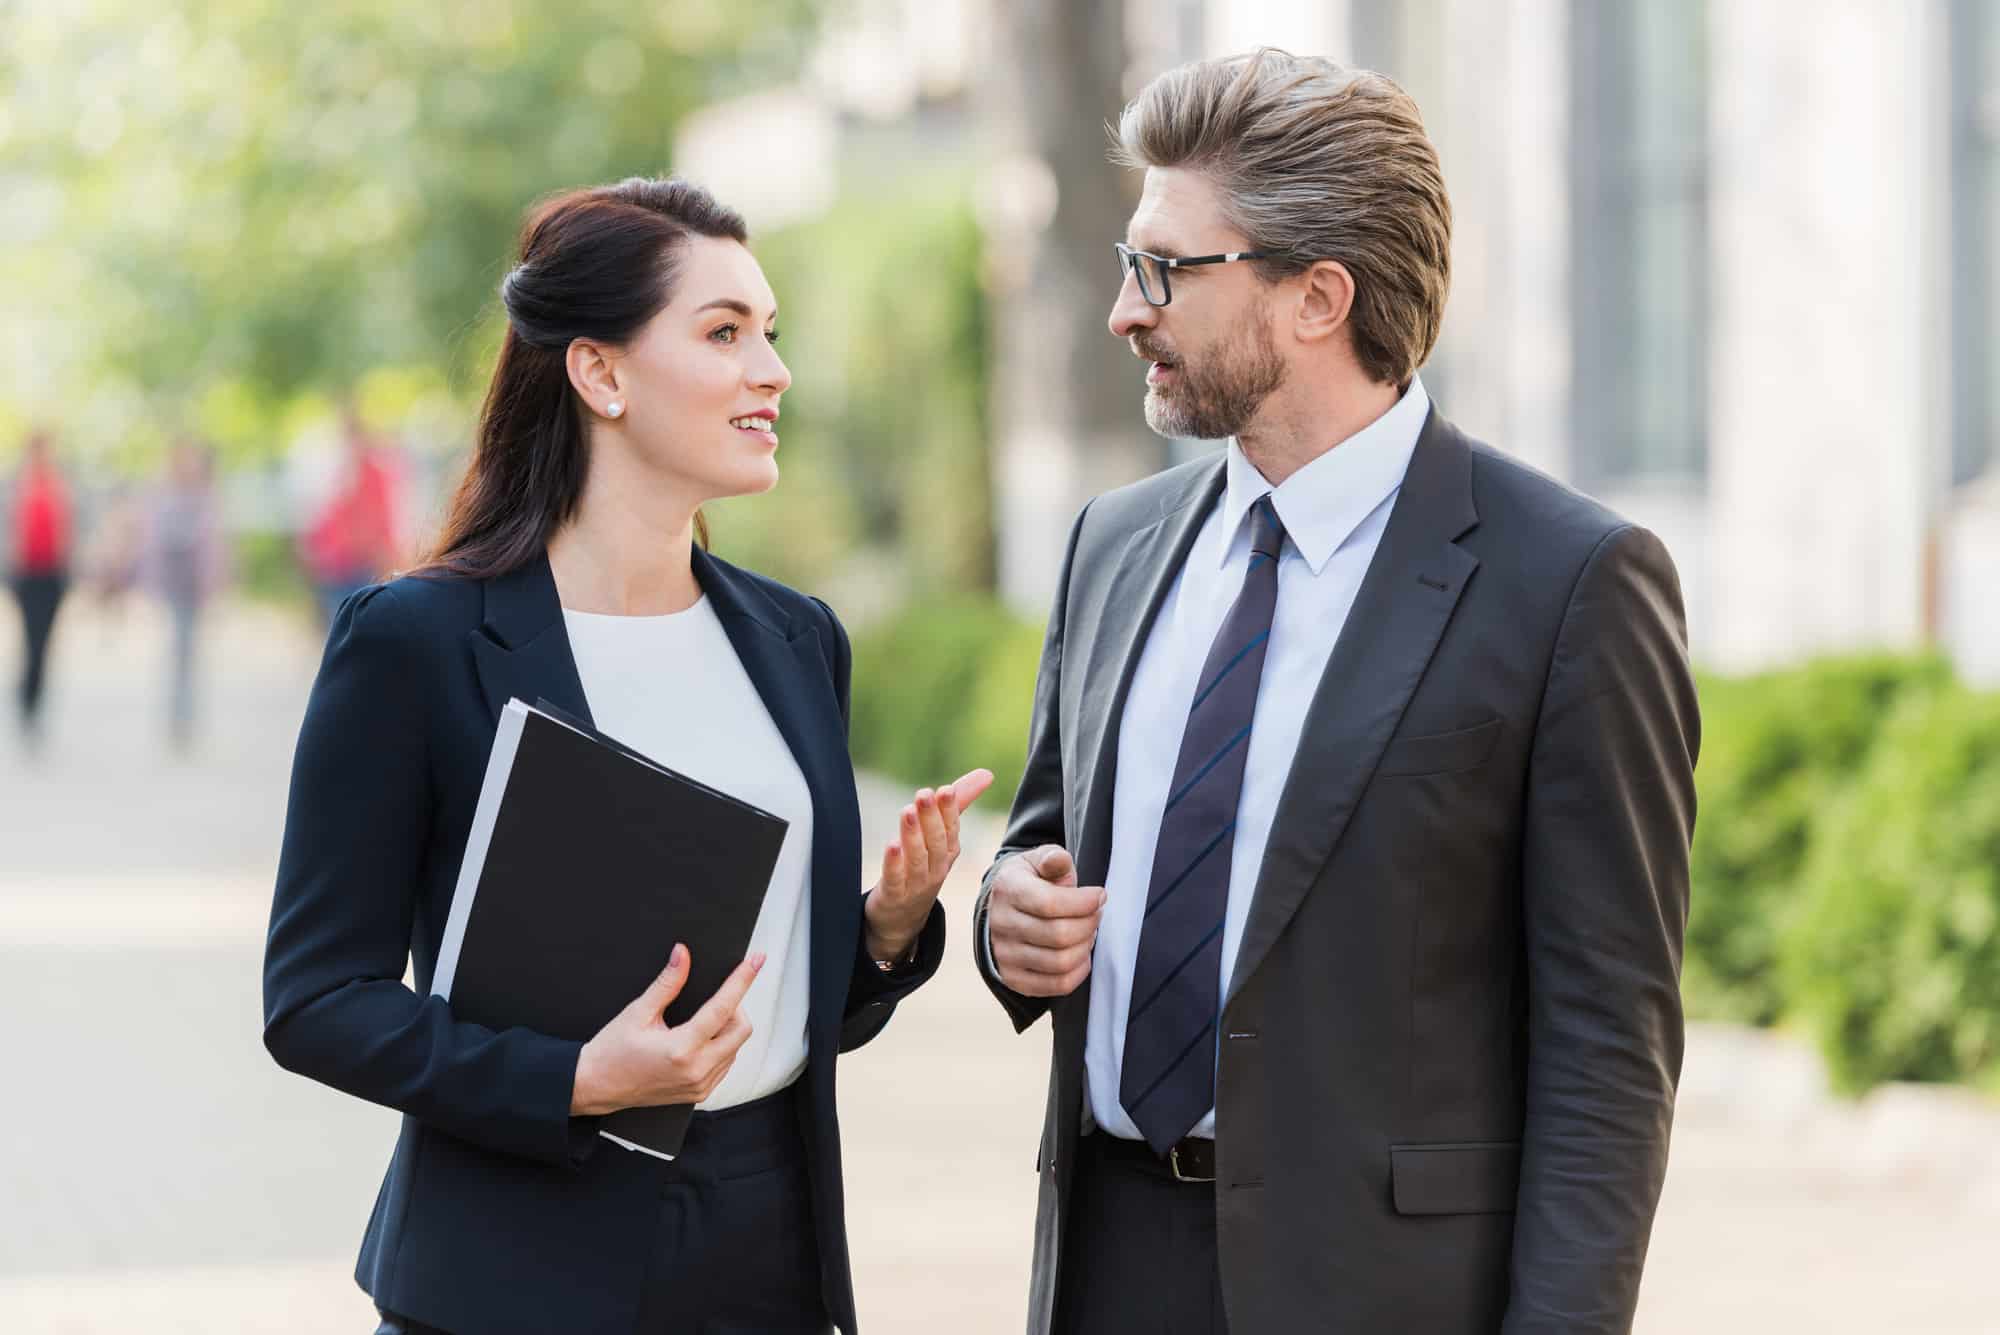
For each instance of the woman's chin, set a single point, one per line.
(753, 480)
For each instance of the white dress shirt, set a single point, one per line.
(671, 687)
(1334, 511)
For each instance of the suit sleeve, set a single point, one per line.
(1037, 817)
(872, 994)
(335, 1005)
(1609, 816)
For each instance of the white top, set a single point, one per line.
(1334, 511)
(671, 687)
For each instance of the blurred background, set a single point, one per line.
(1734, 268)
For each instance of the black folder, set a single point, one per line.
(586, 862)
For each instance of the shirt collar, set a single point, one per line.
(1323, 503)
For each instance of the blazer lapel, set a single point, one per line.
(523, 647)
(786, 664)
(1399, 614)
(1152, 558)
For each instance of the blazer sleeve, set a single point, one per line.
(356, 826)
(1039, 803)
(872, 994)
(1609, 816)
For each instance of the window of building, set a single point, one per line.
(1639, 235)
(1975, 237)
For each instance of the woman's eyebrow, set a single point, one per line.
(731, 304)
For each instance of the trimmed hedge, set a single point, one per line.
(1776, 748)
(1893, 959)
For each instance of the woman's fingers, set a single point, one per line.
(894, 872)
(916, 856)
(719, 1009)
(970, 786)
(947, 805)
(937, 839)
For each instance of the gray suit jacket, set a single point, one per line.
(1453, 1033)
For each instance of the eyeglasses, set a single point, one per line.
(1151, 270)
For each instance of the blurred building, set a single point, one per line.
(1733, 268)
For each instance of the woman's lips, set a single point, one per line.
(768, 436)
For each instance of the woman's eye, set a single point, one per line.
(725, 334)
(770, 336)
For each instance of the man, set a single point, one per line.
(1351, 857)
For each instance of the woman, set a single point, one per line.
(184, 561)
(637, 380)
(42, 540)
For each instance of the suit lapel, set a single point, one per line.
(786, 664)
(1399, 615)
(523, 647)
(1152, 557)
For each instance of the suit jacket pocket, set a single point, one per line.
(1472, 1178)
(1439, 753)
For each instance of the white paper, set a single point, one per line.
(499, 764)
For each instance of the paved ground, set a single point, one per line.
(159, 1174)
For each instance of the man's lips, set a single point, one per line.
(1159, 371)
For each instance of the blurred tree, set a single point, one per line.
(884, 324)
(230, 203)
(1067, 396)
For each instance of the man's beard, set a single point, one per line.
(1216, 393)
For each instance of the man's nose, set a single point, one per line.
(1130, 311)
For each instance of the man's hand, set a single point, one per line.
(1042, 924)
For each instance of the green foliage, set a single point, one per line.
(280, 199)
(945, 687)
(267, 568)
(1894, 961)
(1776, 750)
(883, 319)
(996, 728)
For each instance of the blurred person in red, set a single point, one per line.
(184, 561)
(42, 538)
(352, 541)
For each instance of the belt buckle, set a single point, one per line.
(1174, 1162)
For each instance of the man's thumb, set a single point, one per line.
(1053, 863)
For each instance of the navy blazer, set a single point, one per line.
(500, 1212)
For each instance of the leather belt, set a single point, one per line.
(1190, 1159)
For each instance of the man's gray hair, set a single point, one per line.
(1315, 161)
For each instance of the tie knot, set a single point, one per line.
(1267, 531)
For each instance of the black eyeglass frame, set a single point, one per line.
(1128, 262)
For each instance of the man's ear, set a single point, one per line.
(593, 373)
(1325, 298)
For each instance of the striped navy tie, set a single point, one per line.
(1168, 1080)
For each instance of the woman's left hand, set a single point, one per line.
(915, 864)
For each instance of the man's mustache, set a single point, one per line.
(1152, 352)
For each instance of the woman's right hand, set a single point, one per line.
(638, 1060)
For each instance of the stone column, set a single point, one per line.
(1827, 128)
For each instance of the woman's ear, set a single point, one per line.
(593, 374)
(1324, 302)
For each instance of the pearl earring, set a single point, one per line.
(614, 409)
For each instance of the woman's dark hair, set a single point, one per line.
(595, 264)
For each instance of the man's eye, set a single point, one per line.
(725, 334)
